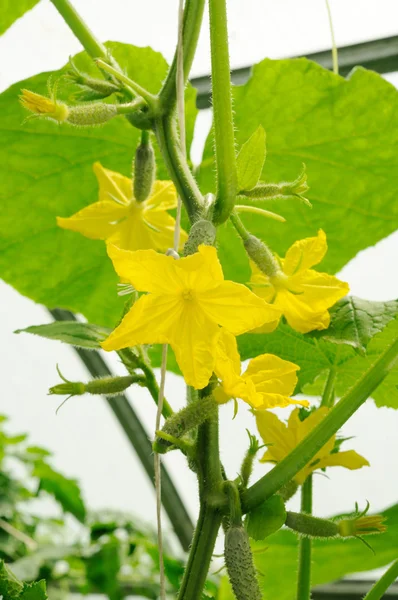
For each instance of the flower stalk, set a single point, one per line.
(305, 546)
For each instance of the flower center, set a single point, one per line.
(280, 280)
(188, 295)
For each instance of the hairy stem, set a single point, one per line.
(222, 112)
(210, 483)
(177, 167)
(193, 15)
(305, 546)
(302, 454)
(378, 590)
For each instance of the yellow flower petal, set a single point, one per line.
(227, 365)
(201, 271)
(112, 185)
(261, 284)
(236, 308)
(194, 340)
(275, 434)
(270, 400)
(305, 253)
(299, 314)
(151, 320)
(319, 290)
(160, 227)
(348, 459)
(146, 270)
(272, 374)
(163, 196)
(96, 221)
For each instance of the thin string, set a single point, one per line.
(334, 47)
(177, 228)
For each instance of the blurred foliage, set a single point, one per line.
(73, 551)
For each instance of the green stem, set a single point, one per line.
(193, 15)
(240, 228)
(80, 29)
(317, 438)
(177, 167)
(235, 510)
(210, 485)
(222, 112)
(305, 546)
(328, 393)
(200, 554)
(377, 591)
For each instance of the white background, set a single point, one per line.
(85, 438)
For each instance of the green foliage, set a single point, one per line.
(65, 491)
(82, 335)
(46, 170)
(332, 559)
(317, 357)
(34, 591)
(10, 587)
(11, 10)
(266, 518)
(345, 131)
(250, 160)
(354, 321)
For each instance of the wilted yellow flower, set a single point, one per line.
(44, 107)
(363, 525)
(268, 382)
(301, 294)
(281, 439)
(188, 301)
(120, 220)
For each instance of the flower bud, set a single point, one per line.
(44, 107)
(144, 170)
(362, 526)
(107, 386)
(261, 255)
(286, 189)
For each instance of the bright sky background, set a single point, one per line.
(85, 438)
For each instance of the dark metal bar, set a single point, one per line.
(138, 438)
(379, 55)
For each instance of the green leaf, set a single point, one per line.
(332, 559)
(34, 591)
(46, 170)
(65, 491)
(317, 357)
(83, 335)
(345, 131)
(354, 321)
(266, 518)
(11, 10)
(250, 160)
(10, 587)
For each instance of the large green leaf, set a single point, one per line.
(345, 131)
(317, 357)
(331, 560)
(46, 170)
(11, 10)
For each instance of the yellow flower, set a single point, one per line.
(44, 107)
(119, 219)
(188, 301)
(301, 294)
(281, 439)
(268, 382)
